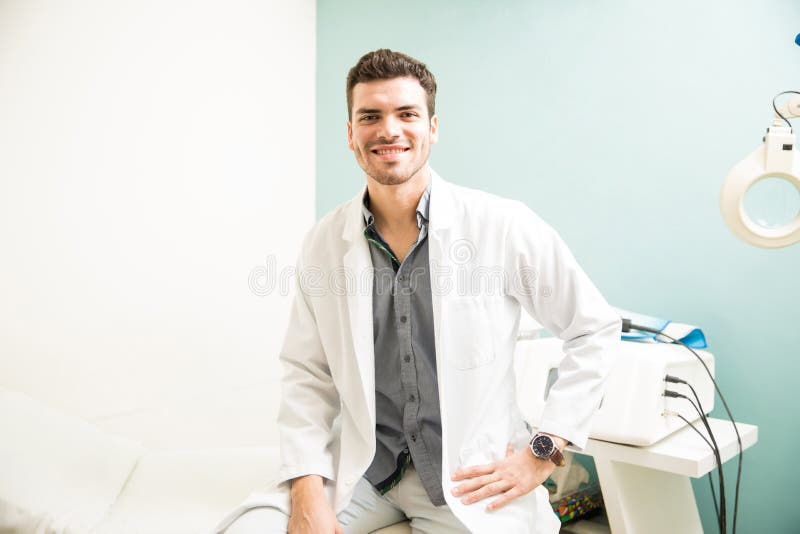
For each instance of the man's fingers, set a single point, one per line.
(472, 472)
(504, 499)
(339, 529)
(487, 491)
(474, 484)
(509, 450)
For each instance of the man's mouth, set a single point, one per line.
(389, 150)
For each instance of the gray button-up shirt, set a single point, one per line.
(408, 423)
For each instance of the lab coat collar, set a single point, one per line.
(442, 203)
(440, 214)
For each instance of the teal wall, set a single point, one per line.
(617, 122)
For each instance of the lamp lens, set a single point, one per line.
(772, 202)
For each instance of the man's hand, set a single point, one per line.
(311, 512)
(517, 474)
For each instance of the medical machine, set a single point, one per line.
(634, 410)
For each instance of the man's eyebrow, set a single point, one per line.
(366, 111)
(370, 111)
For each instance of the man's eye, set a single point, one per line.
(409, 114)
(368, 117)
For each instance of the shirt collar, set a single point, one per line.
(423, 208)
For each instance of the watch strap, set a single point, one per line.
(558, 458)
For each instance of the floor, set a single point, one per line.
(595, 525)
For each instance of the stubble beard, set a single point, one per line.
(390, 178)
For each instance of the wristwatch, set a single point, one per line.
(543, 447)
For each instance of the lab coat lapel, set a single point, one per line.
(441, 216)
(357, 263)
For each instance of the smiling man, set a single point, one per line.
(398, 393)
(392, 130)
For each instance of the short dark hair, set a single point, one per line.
(385, 64)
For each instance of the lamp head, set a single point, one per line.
(778, 157)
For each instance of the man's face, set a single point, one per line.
(390, 132)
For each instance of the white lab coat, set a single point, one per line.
(488, 257)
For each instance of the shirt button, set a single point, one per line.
(407, 358)
(413, 437)
(403, 319)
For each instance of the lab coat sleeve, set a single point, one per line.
(553, 288)
(309, 400)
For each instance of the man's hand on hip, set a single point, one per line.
(311, 513)
(514, 476)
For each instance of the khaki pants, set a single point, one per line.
(368, 511)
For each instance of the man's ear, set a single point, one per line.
(434, 129)
(350, 135)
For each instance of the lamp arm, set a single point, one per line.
(790, 109)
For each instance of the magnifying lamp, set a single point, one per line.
(776, 161)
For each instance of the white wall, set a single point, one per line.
(151, 155)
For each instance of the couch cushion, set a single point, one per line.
(189, 491)
(234, 417)
(58, 473)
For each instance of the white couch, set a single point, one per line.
(168, 468)
(60, 474)
(175, 468)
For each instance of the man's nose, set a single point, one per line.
(390, 128)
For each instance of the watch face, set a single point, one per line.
(542, 446)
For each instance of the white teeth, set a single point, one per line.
(390, 151)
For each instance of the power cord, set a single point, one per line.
(627, 326)
(721, 511)
(713, 450)
(775, 107)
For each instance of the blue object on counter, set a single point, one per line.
(691, 335)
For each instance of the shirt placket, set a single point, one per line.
(408, 370)
(401, 287)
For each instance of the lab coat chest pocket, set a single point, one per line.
(469, 333)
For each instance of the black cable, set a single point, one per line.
(739, 472)
(713, 493)
(698, 408)
(710, 478)
(789, 124)
(626, 323)
(723, 522)
(730, 417)
(722, 518)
